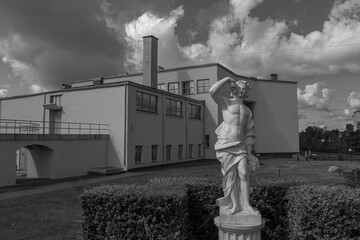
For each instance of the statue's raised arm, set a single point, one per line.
(217, 90)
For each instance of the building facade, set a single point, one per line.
(163, 116)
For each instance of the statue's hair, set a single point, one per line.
(241, 83)
(244, 83)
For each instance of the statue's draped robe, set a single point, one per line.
(230, 154)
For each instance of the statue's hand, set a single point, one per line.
(253, 162)
(232, 85)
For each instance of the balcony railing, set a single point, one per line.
(11, 126)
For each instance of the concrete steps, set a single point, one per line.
(105, 171)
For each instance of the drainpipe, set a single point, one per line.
(44, 114)
(163, 125)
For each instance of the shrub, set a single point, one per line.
(323, 212)
(269, 197)
(176, 208)
(135, 212)
(203, 209)
(352, 177)
(341, 157)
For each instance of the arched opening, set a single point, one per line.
(33, 162)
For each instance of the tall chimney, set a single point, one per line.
(274, 76)
(150, 61)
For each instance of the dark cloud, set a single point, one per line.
(303, 16)
(63, 40)
(198, 18)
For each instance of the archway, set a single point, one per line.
(33, 161)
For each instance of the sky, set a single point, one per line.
(44, 44)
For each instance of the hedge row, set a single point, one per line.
(352, 177)
(184, 208)
(324, 212)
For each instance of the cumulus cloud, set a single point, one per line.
(316, 123)
(150, 24)
(50, 43)
(354, 100)
(302, 115)
(84, 39)
(3, 92)
(315, 96)
(255, 47)
(344, 115)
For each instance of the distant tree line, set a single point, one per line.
(320, 139)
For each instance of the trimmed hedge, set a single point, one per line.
(352, 177)
(324, 212)
(174, 208)
(157, 210)
(269, 197)
(203, 209)
(134, 212)
(184, 208)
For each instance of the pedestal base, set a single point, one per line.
(238, 230)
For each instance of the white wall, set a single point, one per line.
(210, 113)
(56, 158)
(99, 105)
(146, 129)
(276, 117)
(23, 108)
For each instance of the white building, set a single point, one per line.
(163, 116)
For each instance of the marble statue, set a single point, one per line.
(233, 148)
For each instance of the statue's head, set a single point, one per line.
(240, 88)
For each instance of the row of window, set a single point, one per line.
(187, 87)
(154, 152)
(148, 103)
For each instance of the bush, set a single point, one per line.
(269, 197)
(352, 177)
(341, 157)
(185, 208)
(135, 212)
(203, 208)
(323, 212)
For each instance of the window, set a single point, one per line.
(146, 102)
(199, 151)
(168, 152)
(173, 107)
(194, 111)
(161, 86)
(55, 99)
(207, 141)
(173, 87)
(188, 87)
(154, 150)
(138, 150)
(203, 86)
(190, 150)
(180, 152)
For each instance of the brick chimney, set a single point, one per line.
(274, 76)
(150, 61)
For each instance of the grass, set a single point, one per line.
(57, 214)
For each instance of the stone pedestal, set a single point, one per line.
(240, 226)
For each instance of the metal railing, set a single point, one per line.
(12, 126)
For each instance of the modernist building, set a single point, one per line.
(163, 115)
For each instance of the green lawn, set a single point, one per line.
(57, 214)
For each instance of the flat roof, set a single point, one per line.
(116, 84)
(182, 68)
(137, 74)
